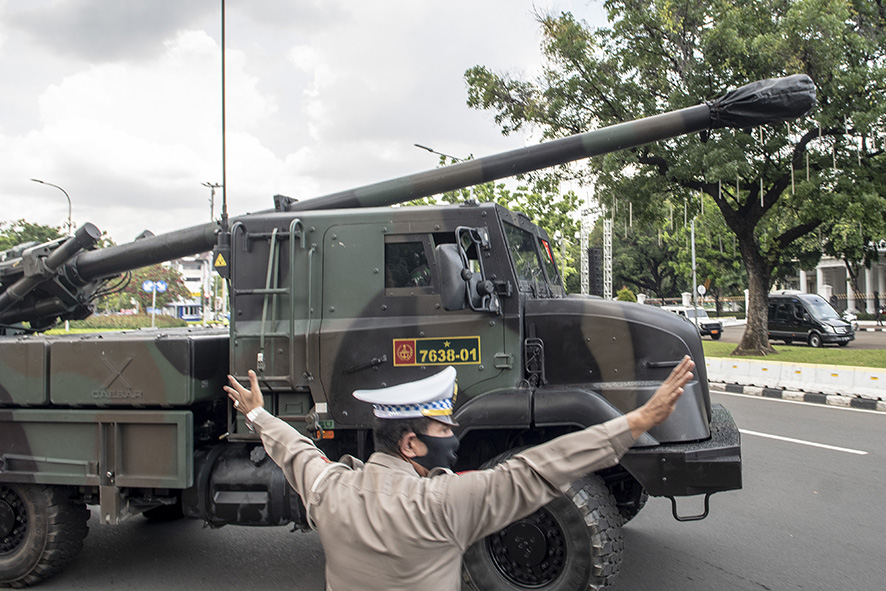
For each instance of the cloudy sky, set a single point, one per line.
(119, 102)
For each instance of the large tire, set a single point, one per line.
(815, 340)
(41, 531)
(573, 543)
(716, 337)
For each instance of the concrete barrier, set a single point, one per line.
(851, 382)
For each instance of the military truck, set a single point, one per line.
(342, 292)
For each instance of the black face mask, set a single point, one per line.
(441, 451)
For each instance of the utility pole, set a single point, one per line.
(694, 281)
(212, 187)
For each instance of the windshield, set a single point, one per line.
(691, 313)
(531, 257)
(819, 308)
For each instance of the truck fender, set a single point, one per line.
(577, 407)
(498, 409)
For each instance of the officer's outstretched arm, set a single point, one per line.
(662, 403)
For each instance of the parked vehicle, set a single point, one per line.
(796, 316)
(698, 316)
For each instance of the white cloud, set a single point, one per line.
(321, 96)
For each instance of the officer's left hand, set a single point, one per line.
(245, 400)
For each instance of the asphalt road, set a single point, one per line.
(864, 339)
(810, 518)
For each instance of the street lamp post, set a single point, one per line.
(70, 223)
(432, 151)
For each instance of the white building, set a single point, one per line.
(830, 279)
(196, 271)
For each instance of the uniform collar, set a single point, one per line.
(392, 463)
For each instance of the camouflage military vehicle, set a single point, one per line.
(338, 293)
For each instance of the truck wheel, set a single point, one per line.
(815, 340)
(573, 543)
(41, 531)
(716, 337)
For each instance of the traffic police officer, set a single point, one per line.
(383, 525)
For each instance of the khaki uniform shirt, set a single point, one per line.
(384, 527)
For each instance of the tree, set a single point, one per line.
(625, 295)
(775, 187)
(132, 292)
(539, 198)
(20, 231)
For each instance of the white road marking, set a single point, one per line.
(803, 442)
(814, 404)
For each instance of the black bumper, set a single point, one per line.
(685, 469)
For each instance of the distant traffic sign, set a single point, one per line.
(154, 286)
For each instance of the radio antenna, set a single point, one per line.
(224, 187)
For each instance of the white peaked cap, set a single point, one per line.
(429, 397)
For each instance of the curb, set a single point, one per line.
(796, 396)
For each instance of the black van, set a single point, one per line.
(795, 316)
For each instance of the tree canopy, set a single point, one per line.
(19, 232)
(777, 188)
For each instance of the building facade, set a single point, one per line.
(196, 272)
(831, 280)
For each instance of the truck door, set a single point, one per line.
(383, 322)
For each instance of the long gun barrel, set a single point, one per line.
(768, 101)
(27, 298)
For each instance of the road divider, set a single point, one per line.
(868, 384)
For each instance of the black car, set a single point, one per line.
(796, 316)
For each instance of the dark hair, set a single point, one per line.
(387, 433)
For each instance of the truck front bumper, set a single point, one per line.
(685, 469)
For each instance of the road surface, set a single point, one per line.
(809, 517)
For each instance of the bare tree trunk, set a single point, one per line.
(755, 340)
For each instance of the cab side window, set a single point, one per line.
(406, 265)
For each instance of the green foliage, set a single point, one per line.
(134, 296)
(540, 199)
(20, 231)
(625, 295)
(129, 322)
(776, 190)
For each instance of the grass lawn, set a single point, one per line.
(823, 356)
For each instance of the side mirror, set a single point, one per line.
(452, 283)
(460, 287)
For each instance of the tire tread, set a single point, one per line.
(66, 529)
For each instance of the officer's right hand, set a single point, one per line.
(245, 400)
